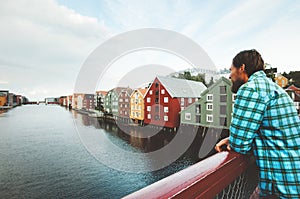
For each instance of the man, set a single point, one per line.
(265, 121)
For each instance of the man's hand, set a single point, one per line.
(223, 142)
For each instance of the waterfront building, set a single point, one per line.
(294, 93)
(281, 80)
(213, 109)
(111, 101)
(4, 94)
(69, 101)
(88, 102)
(77, 102)
(137, 105)
(63, 101)
(99, 100)
(124, 105)
(166, 97)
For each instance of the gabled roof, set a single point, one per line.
(101, 92)
(181, 87)
(142, 91)
(222, 79)
(293, 88)
(118, 90)
(127, 90)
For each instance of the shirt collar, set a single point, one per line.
(257, 74)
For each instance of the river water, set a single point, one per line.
(42, 156)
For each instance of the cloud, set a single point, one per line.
(45, 41)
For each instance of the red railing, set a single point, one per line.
(202, 180)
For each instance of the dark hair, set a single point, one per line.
(252, 60)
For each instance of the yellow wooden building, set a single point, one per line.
(137, 105)
(281, 80)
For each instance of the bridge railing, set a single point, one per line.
(223, 175)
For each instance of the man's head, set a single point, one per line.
(244, 64)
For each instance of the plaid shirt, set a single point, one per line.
(265, 120)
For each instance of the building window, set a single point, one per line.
(182, 101)
(121, 100)
(148, 108)
(198, 118)
(156, 84)
(190, 100)
(163, 91)
(293, 95)
(223, 121)
(166, 118)
(156, 100)
(166, 109)
(222, 89)
(125, 112)
(209, 106)
(150, 92)
(148, 99)
(126, 100)
(187, 116)
(223, 109)
(166, 100)
(149, 116)
(157, 92)
(209, 97)
(209, 118)
(156, 117)
(125, 105)
(182, 108)
(223, 98)
(198, 108)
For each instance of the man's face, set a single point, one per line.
(236, 77)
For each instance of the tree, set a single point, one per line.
(270, 71)
(211, 82)
(294, 76)
(187, 75)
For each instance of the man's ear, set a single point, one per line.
(242, 67)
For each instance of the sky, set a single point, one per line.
(44, 44)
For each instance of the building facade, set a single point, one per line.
(214, 109)
(281, 81)
(111, 101)
(88, 102)
(99, 100)
(124, 104)
(69, 101)
(77, 101)
(294, 93)
(4, 95)
(166, 97)
(137, 105)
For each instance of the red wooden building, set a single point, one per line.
(166, 97)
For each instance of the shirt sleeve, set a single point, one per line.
(247, 117)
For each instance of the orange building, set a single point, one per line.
(281, 80)
(3, 98)
(137, 105)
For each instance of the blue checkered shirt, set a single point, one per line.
(265, 120)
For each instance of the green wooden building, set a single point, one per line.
(111, 101)
(214, 109)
